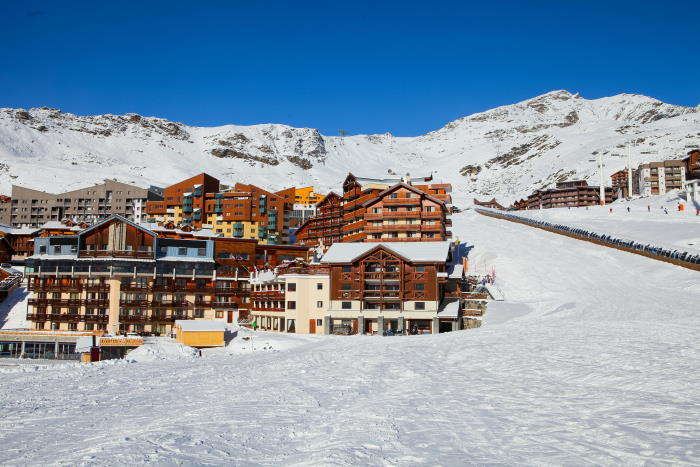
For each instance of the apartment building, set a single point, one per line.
(692, 165)
(657, 178)
(571, 193)
(390, 209)
(368, 288)
(620, 183)
(118, 276)
(243, 211)
(290, 298)
(326, 226)
(33, 208)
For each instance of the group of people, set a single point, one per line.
(683, 256)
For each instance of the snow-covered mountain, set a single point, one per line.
(505, 152)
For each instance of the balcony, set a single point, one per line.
(280, 310)
(133, 318)
(231, 291)
(55, 287)
(116, 254)
(267, 295)
(232, 305)
(134, 287)
(169, 304)
(134, 303)
(54, 302)
(92, 318)
(401, 202)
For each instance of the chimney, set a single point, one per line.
(407, 179)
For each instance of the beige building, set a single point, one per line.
(33, 208)
(293, 301)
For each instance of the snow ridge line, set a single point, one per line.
(529, 223)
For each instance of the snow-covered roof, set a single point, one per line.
(23, 230)
(54, 225)
(411, 251)
(449, 308)
(202, 325)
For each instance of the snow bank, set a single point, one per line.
(161, 348)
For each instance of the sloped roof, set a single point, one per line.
(411, 251)
(119, 218)
(411, 188)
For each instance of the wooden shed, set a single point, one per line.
(200, 333)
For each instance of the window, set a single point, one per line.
(42, 250)
(201, 251)
(319, 286)
(292, 287)
(420, 268)
(219, 314)
(346, 305)
(345, 286)
(182, 251)
(420, 286)
(89, 327)
(199, 313)
(57, 250)
(319, 304)
(394, 195)
(72, 326)
(291, 305)
(420, 305)
(347, 268)
(319, 322)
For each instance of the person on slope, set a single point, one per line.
(254, 324)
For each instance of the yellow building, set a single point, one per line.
(306, 195)
(200, 333)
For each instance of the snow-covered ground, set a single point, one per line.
(676, 230)
(13, 310)
(592, 360)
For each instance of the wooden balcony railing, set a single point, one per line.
(116, 254)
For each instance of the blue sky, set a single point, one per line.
(366, 67)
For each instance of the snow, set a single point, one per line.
(592, 359)
(558, 131)
(13, 310)
(412, 251)
(158, 349)
(676, 230)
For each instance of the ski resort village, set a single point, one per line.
(521, 286)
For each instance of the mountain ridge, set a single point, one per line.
(504, 152)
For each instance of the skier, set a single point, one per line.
(628, 209)
(665, 211)
(610, 210)
(648, 208)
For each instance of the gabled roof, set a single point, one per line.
(425, 252)
(117, 217)
(381, 194)
(329, 195)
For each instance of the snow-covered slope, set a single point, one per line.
(505, 152)
(592, 360)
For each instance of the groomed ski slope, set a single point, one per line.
(593, 359)
(646, 221)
